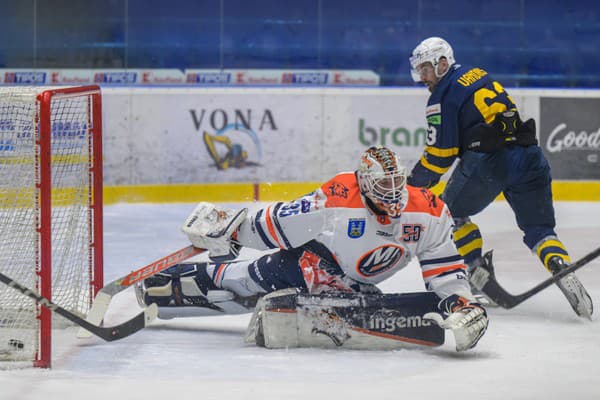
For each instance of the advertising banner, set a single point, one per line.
(247, 134)
(570, 136)
(158, 136)
(196, 77)
(23, 77)
(262, 77)
(205, 136)
(356, 120)
(75, 76)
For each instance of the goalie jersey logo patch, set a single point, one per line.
(379, 260)
(356, 227)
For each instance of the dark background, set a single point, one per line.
(574, 149)
(521, 42)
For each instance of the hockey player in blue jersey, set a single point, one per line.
(470, 116)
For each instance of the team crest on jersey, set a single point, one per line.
(356, 227)
(339, 190)
(379, 260)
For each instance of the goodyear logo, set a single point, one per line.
(209, 78)
(115, 77)
(25, 77)
(305, 78)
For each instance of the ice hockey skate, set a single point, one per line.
(480, 272)
(572, 288)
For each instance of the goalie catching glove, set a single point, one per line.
(466, 319)
(214, 228)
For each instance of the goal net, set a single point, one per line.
(50, 212)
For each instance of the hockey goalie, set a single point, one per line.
(328, 251)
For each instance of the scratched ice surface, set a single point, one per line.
(538, 350)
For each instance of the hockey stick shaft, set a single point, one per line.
(156, 267)
(495, 292)
(105, 295)
(111, 333)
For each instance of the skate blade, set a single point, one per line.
(578, 297)
(484, 300)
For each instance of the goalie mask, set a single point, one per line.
(430, 50)
(382, 179)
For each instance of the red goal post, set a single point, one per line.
(50, 211)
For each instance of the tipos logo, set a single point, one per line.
(379, 260)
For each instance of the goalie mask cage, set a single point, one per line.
(50, 212)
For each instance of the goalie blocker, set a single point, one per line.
(288, 318)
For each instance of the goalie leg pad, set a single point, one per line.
(287, 318)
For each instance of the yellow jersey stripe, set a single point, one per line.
(550, 243)
(464, 231)
(432, 167)
(467, 248)
(435, 151)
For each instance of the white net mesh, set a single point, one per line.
(19, 213)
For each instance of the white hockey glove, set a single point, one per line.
(466, 319)
(214, 228)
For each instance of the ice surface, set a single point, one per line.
(538, 350)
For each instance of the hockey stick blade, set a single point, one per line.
(109, 334)
(496, 293)
(105, 295)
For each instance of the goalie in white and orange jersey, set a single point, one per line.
(356, 230)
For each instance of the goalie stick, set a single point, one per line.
(108, 333)
(496, 293)
(105, 295)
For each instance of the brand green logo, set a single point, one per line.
(383, 135)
